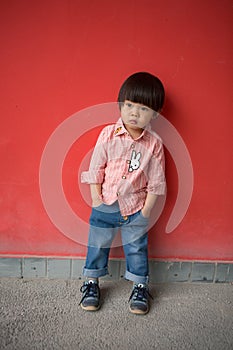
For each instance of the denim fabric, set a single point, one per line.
(105, 221)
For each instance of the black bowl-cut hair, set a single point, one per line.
(143, 88)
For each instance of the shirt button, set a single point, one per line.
(125, 218)
(128, 161)
(118, 193)
(133, 145)
(123, 177)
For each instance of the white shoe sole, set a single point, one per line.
(138, 312)
(90, 308)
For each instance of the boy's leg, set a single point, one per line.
(135, 243)
(101, 234)
(136, 253)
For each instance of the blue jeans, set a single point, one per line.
(105, 221)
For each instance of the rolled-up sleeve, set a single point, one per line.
(96, 171)
(156, 171)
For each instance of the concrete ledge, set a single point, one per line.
(160, 271)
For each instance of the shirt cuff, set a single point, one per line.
(157, 189)
(92, 177)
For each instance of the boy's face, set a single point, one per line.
(136, 116)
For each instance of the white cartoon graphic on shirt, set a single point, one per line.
(134, 161)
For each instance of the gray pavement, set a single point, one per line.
(44, 314)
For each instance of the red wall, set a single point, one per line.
(59, 57)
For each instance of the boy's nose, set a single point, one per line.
(135, 111)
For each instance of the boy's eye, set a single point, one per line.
(144, 109)
(128, 104)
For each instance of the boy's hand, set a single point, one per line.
(146, 212)
(96, 195)
(96, 203)
(148, 205)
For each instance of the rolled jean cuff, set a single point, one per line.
(95, 273)
(135, 278)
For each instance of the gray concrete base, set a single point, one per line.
(45, 314)
(160, 271)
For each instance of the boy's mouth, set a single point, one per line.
(133, 122)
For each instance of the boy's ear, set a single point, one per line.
(156, 114)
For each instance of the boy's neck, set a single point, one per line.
(134, 133)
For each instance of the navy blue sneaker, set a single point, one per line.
(90, 296)
(138, 299)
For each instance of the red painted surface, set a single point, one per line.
(58, 57)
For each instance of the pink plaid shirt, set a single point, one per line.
(128, 169)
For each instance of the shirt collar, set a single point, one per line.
(120, 129)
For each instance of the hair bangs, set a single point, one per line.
(143, 88)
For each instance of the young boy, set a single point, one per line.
(126, 175)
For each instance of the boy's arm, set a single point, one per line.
(95, 174)
(96, 194)
(157, 182)
(149, 203)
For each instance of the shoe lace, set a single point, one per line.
(90, 289)
(140, 293)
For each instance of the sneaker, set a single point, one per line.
(138, 299)
(91, 296)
